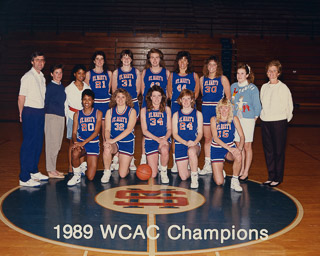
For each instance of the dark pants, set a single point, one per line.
(33, 131)
(274, 135)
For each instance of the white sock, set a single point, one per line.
(83, 164)
(163, 168)
(207, 159)
(115, 159)
(235, 177)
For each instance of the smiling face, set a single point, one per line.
(99, 61)
(242, 75)
(156, 98)
(183, 63)
(212, 66)
(57, 75)
(273, 74)
(80, 75)
(121, 99)
(155, 59)
(224, 110)
(186, 101)
(87, 102)
(38, 63)
(126, 60)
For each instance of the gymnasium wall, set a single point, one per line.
(298, 55)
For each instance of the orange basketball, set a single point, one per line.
(144, 172)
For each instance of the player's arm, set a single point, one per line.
(169, 87)
(201, 85)
(191, 143)
(226, 87)
(142, 82)
(110, 81)
(87, 78)
(114, 80)
(75, 127)
(131, 124)
(240, 132)
(175, 130)
(107, 121)
(197, 87)
(138, 82)
(169, 123)
(21, 101)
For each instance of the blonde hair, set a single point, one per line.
(224, 102)
(275, 63)
(113, 101)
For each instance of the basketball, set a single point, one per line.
(144, 172)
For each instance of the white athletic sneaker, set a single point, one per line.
(224, 173)
(106, 176)
(30, 183)
(174, 168)
(132, 166)
(207, 169)
(39, 176)
(115, 164)
(194, 180)
(83, 168)
(235, 184)
(164, 176)
(74, 180)
(143, 159)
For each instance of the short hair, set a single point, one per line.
(148, 63)
(156, 88)
(179, 56)
(75, 70)
(113, 101)
(87, 92)
(224, 102)
(93, 57)
(214, 58)
(275, 63)
(36, 54)
(248, 70)
(187, 92)
(123, 53)
(56, 66)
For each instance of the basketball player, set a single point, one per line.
(128, 78)
(182, 78)
(99, 79)
(223, 127)
(73, 104)
(154, 73)
(156, 127)
(213, 86)
(85, 137)
(187, 130)
(119, 138)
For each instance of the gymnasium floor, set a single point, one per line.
(38, 220)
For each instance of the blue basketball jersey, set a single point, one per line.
(151, 79)
(99, 83)
(182, 82)
(87, 125)
(225, 131)
(119, 122)
(127, 81)
(188, 125)
(212, 91)
(157, 122)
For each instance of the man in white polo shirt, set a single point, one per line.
(31, 111)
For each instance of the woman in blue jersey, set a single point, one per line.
(85, 137)
(223, 127)
(247, 107)
(119, 138)
(187, 130)
(128, 78)
(99, 80)
(154, 73)
(156, 127)
(183, 77)
(213, 85)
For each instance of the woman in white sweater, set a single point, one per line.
(276, 112)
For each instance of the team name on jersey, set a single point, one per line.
(155, 78)
(183, 81)
(99, 77)
(211, 82)
(126, 76)
(186, 119)
(155, 114)
(223, 126)
(120, 119)
(88, 119)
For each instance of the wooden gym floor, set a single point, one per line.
(301, 182)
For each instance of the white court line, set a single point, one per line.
(85, 253)
(217, 254)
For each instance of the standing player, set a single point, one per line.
(213, 85)
(73, 104)
(99, 79)
(156, 127)
(128, 78)
(247, 107)
(154, 73)
(187, 130)
(120, 121)
(85, 137)
(182, 78)
(223, 127)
